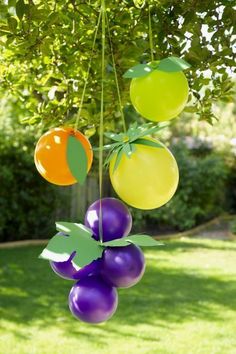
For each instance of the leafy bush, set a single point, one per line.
(201, 193)
(27, 202)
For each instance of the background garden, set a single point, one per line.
(185, 302)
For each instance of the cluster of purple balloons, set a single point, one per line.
(93, 298)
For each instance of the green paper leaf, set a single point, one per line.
(143, 240)
(126, 142)
(145, 132)
(173, 64)
(148, 142)
(69, 228)
(58, 249)
(127, 150)
(79, 240)
(77, 159)
(120, 242)
(118, 158)
(116, 137)
(133, 147)
(139, 240)
(109, 157)
(107, 147)
(138, 71)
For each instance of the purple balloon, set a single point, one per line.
(68, 271)
(123, 267)
(92, 300)
(116, 219)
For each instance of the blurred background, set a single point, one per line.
(206, 156)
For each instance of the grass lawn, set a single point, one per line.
(185, 304)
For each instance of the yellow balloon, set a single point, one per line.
(160, 95)
(146, 180)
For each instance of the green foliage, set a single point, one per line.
(27, 202)
(46, 47)
(201, 193)
(233, 227)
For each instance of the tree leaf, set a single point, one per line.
(139, 3)
(20, 9)
(148, 142)
(139, 70)
(11, 3)
(79, 240)
(77, 159)
(12, 24)
(143, 240)
(173, 64)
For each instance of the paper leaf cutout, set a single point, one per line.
(139, 3)
(109, 157)
(77, 159)
(116, 137)
(58, 249)
(106, 147)
(145, 132)
(143, 240)
(118, 158)
(139, 240)
(120, 242)
(138, 71)
(133, 148)
(79, 240)
(127, 150)
(173, 64)
(148, 142)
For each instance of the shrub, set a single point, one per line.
(27, 202)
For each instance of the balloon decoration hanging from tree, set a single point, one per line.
(101, 255)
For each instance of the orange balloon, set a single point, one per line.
(50, 155)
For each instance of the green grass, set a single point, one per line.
(185, 303)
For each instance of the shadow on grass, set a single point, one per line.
(31, 293)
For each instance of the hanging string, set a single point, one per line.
(116, 76)
(88, 72)
(101, 129)
(150, 33)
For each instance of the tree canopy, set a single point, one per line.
(46, 46)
